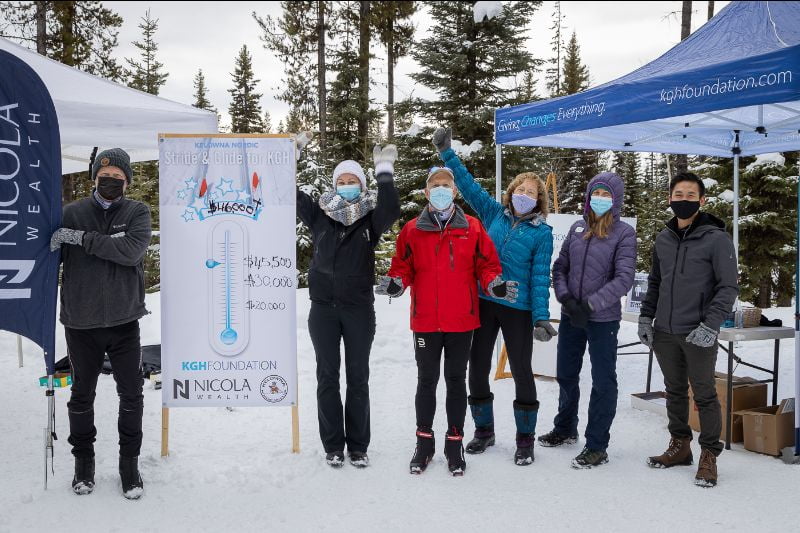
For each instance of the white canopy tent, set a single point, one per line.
(93, 111)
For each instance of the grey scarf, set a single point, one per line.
(346, 212)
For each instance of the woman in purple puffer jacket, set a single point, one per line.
(594, 270)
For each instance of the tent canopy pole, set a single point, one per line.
(736, 151)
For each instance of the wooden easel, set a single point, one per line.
(165, 430)
(501, 373)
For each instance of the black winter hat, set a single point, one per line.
(113, 157)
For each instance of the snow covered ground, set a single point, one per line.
(233, 471)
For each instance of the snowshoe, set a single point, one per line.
(83, 482)
(454, 451)
(132, 485)
(424, 451)
(335, 459)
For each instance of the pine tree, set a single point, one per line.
(267, 122)
(201, 100)
(470, 66)
(245, 107)
(576, 74)
(293, 37)
(147, 75)
(392, 20)
(553, 72)
(626, 164)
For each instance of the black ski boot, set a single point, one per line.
(483, 415)
(524, 454)
(454, 451)
(83, 482)
(424, 451)
(132, 485)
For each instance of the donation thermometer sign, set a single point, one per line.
(228, 270)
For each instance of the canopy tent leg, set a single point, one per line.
(736, 151)
(498, 194)
(50, 430)
(797, 335)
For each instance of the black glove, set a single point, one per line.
(389, 286)
(578, 312)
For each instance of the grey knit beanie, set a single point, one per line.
(113, 157)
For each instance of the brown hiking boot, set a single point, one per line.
(679, 452)
(706, 470)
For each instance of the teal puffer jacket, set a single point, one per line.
(524, 246)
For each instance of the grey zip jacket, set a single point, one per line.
(693, 278)
(103, 281)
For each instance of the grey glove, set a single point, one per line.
(543, 331)
(65, 236)
(389, 286)
(702, 336)
(441, 138)
(506, 290)
(301, 141)
(384, 158)
(646, 331)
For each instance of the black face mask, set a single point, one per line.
(110, 188)
(684, 209)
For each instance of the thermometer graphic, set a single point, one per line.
(229, 327)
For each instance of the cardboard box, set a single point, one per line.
(746, 395)
(655, 402)
(769, 429)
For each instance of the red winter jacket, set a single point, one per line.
(442, 267)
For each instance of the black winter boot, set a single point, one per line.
(424, 451)
(132, 485)
(454, 451)
(483, 414)
(83, 482)
(524, 454)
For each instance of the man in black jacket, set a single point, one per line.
(346, 225)
(102, 298)
(691, 290)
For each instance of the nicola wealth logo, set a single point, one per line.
(180, 388)
(274, 388)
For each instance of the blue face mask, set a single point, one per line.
(600, 205)
(348, 192)
(441, 198)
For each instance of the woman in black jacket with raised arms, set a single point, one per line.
(346, 224)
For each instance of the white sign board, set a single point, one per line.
(228, 270)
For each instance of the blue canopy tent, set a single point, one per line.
(731, 89)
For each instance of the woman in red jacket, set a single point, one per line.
(442, 255)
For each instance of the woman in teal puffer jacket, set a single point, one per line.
(524, 244)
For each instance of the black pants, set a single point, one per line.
(517, 329)
(428, 351)
(682, 363)
(328, 325)
(87, 349)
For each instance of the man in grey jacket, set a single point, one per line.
(691, 290)
(105, 238)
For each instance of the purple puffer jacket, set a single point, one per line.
(598, 270)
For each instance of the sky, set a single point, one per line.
(615, 38)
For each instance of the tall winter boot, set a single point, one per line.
(483, 415)
(424, 451)
(132, 485)
(525, 418)
(83, 482)
(706, 469)
(454, 451)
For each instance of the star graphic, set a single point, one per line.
(198, 204)
(243, 196)
(211, 197)
(188, 215)
(225, 186)
(191, 183)
(182, 194)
